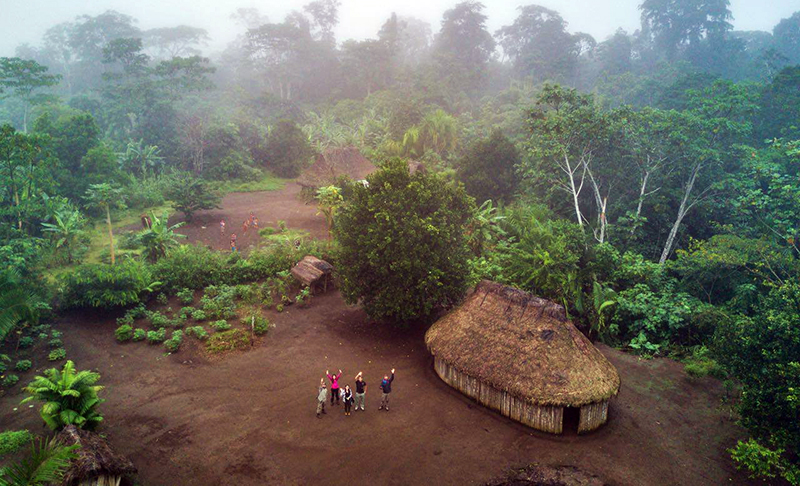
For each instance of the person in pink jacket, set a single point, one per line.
(334, 386)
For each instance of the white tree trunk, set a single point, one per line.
(682, 210)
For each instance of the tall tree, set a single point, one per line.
(538, 44)
(787, 37)
(23, 79)
(463, 47)
(676, 24)
(180, 41)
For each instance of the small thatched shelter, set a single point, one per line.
(333, 163)
(518, 354)
(97, 464)
(313, 272)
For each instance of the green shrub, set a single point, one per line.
(12, 440)
(55, 343)
(137, 312)
(162, 298)
(174, 342)
(10, 380)
(221, 325)
(3, 368)
(42, 335)
(25, 342)
(279, 307)
(186, 312)
(197, 332)
(124, 333)
(199, 315)
(125, 320)
(23, 365)
(158, 320)
(106, 286)
(189, 267)
(261, 325)
(41, 328)
(68, 397)
(139, 334)
(154, 337)
(701, 364)
(228, 341)
(185, 296)
(57, 354)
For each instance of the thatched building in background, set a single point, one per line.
(97, 464)
(334, 163)
(520, 355)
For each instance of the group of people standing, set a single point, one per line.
(346, 394)
(251, 222)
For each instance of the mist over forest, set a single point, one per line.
(163, 169)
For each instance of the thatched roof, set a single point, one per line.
(95, 457)
(311, 269)
(333, 163)
(523, 345)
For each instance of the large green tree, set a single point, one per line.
(23, 79)
(464, 47)
(403, 251)
(488, 168)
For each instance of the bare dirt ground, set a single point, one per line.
(248, 418)
(268, 206)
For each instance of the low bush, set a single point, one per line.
(158, 320)
(10, 380)
(174, 342)
(221, 325)
(25, 342)
(124, 333)
(106, 286)
(197, 332)
(199, 315)
(228, 341)
(701, 364)
(155, 337)
(55, 343)
(57, 354)
(185, 296)
(139, 335)
(186, 312)
(23, 365)
(162, 298)
(126, 319)
(12, 440)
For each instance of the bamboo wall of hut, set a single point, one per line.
(547, 419)
(593, 415)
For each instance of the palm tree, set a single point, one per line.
(69, 397)
(159, 237)
(106, 196)
(16, 303)
(66, 229)
(46, 464)
(139, 156)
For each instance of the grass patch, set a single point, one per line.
(267, 183)
(225, 341)
(12, 440)
(97, 231)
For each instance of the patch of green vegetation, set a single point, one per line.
(221, 325)
(23, 365)
(124, 333)
(57, 354)
(227, 341)
(267, 183)
(701, 364)
(139, 334)
(12, 440)
(197, 332)
(174, 342)
(155, 337)
(10, 380)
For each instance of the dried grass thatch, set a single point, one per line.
(333, 163)
(522, 345)
(97, 463)
(311, 271)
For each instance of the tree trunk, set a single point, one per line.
(682, 210)
(110, 233)
(575, 191)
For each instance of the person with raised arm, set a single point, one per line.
(334, 386)
(361, 391)
(386, 388)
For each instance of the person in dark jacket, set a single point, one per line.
(361, 391)
(322, 396)
(386, 388)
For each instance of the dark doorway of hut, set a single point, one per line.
(572, 418)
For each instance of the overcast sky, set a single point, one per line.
(26, 21)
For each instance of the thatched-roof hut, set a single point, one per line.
(333, 163)
(97, 464)
(313, 272)
(520, 355)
